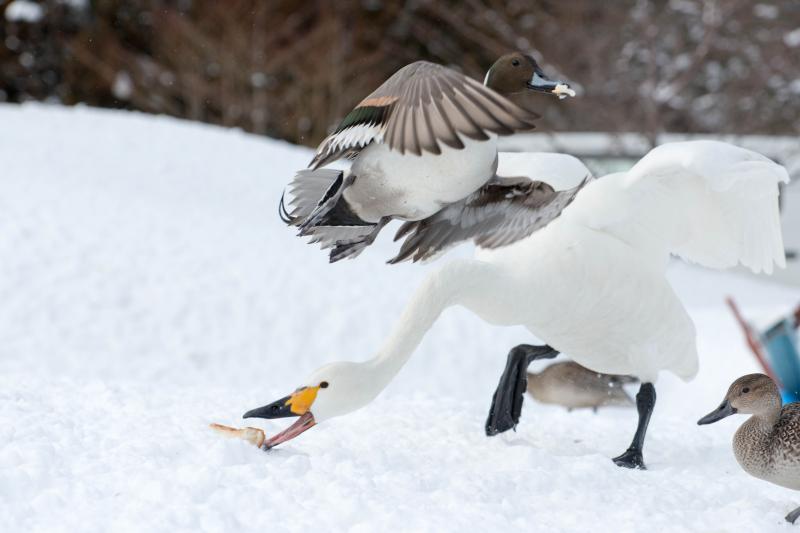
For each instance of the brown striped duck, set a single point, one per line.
(767, 445)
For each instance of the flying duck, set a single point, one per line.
(591, 283)
(575, 387)
(767, 445)
(424, 139)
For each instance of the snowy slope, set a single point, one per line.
(148, 288)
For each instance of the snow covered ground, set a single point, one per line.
(148, 288)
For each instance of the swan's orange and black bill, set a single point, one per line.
(296, 404)
(724, 410)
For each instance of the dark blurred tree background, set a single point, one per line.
(291, 69)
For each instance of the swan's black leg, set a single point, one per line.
(507, 400)
(645, 402)
(791, 517)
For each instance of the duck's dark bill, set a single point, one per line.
(725, 409)
(304, 423)
(541, 83)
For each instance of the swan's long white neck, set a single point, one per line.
(451, 285)
(438, 292)
(354, 385)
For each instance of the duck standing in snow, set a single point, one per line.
(574, 387)
(591, 283)
(767, 445)
(424, 139)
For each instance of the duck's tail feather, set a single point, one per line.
(616, 380)
(319, 210)
(619, 397)
(310, 193)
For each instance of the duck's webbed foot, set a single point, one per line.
(351, 248)
(645, 402)
(507, 401)
(792, 517)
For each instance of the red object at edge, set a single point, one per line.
(752, 340)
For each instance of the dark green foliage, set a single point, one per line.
(293, 69)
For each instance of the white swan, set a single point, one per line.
(592, 283)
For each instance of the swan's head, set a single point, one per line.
(333, 390)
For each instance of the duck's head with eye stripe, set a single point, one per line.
(517, 73)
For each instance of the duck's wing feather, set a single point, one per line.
(787, 429)
(503, 211)
(422, 105)
(708, 202)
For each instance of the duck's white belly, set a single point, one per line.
(413, 187)
(590, 296)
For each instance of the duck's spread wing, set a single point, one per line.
(421, 106)
(502, 212)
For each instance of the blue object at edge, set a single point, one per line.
(781, 344)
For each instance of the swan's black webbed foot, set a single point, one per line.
(630, 459)
(792, 517)
(645, 403)
(507, 400)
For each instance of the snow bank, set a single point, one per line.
(147, 288)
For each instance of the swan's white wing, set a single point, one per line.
(503, 211)
(560, 171)
(708, 202)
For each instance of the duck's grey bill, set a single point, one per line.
(540, 82)
(724, 410)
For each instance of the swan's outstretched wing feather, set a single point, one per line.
(501, 212)
(708, 202)
(420, 106)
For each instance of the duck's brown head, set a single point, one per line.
(754, 394)
(516, 73)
